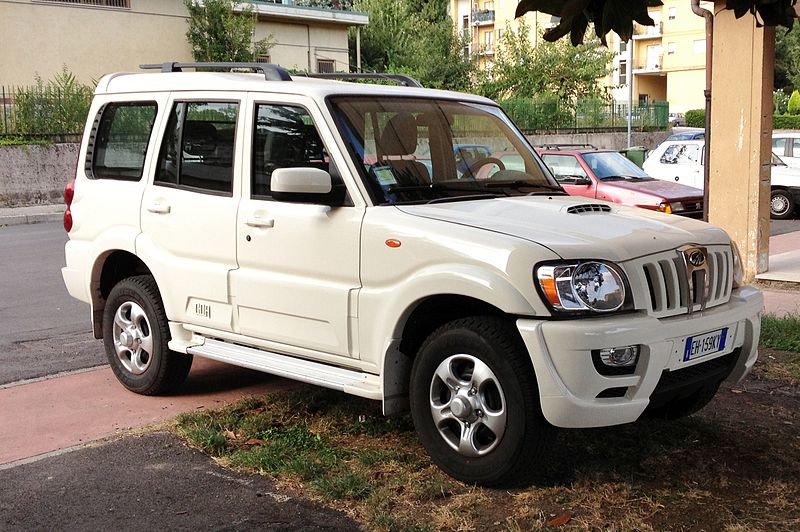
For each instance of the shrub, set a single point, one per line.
(780, 101)
(56, 107)
(794, 104)
(786, 121)
(696, 118)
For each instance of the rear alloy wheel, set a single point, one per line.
(475, 402)
(136, 334)
(781, 205)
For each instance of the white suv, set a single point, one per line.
(323, 231)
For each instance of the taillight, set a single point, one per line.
(69, 193)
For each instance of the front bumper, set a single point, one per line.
(569, 384)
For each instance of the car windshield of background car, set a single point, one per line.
(407, 150)
(612, 165)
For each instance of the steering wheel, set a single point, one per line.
(483, 161)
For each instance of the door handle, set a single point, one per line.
(260, 222)
(158, 208)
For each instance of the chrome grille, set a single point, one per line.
(665, 283)
(588, 207)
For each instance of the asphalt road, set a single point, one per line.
(42, 329)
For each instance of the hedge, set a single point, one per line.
(696, 118)
(786, 121)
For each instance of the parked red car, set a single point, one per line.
(609, 175)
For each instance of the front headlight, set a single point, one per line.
(669, 208)
(738, 269)
(582, 286)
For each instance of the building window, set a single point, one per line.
(500, 34)
(623, 72)
(488, 39)
(488, 6)
(465, 22)
(623, 46)
(326, 66)
(125, 4)
(699, 46)
(264, 59)
(671, 47)
(672, 13)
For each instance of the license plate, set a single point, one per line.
(705, 344)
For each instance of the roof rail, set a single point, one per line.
(401, 79)
(271, 72)
(559, 146)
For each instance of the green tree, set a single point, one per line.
(787, 59)
(551, 69)
(415, 37)
(218, 33)
(794, 104)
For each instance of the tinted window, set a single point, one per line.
(120, 145)
(795, 147)
(197, 149)
(779, 146)
(285, 137)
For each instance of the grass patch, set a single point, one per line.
(702, 472)
(781, 333)
(21, 141)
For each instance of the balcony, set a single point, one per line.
(653, 66)
(484, 50)
(483, 18)
(295, 11)
(648, 32)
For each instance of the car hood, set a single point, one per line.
(656, 187)
(556, 222)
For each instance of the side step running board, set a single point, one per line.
(346, 380)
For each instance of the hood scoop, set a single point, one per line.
(584, 208)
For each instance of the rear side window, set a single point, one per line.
(681, 154)
(197, 148)
(119, 148)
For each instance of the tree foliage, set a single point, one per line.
(415, 37)
(794, 104)
(787, 60)
(619, 15)
(552, 70)
(57, 106)
(218, 33)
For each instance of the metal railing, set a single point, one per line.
(483, 17)
(39, 112)
(587, 115)
(125, 4)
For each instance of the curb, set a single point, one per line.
(56, 215)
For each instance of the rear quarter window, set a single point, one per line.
(118, 146)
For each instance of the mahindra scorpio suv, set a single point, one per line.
(325, 231)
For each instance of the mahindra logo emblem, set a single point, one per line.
(697, 258)
(698, 273)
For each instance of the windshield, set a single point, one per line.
(414, 150)
(611, 165)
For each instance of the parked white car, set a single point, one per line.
(322, 231)
(786, 145)
(682, 161)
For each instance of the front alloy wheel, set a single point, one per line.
(475, 402)
(468, 406)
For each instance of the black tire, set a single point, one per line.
(683, 406)
(781, 205)
(138, 351)
(510, 459)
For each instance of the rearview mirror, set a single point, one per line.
(303, 185)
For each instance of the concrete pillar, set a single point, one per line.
(741, 130)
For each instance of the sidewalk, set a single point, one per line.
(31, 215)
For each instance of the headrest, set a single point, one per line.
(197, 129)
(399, 137)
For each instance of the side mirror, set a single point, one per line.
(584, 181)
(303, 185)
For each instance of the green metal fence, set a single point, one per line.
(588, 115)
(42, 111)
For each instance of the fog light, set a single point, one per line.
(620, 356)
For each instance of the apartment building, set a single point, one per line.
(485, 21)
(665, 62)
(94, 37)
